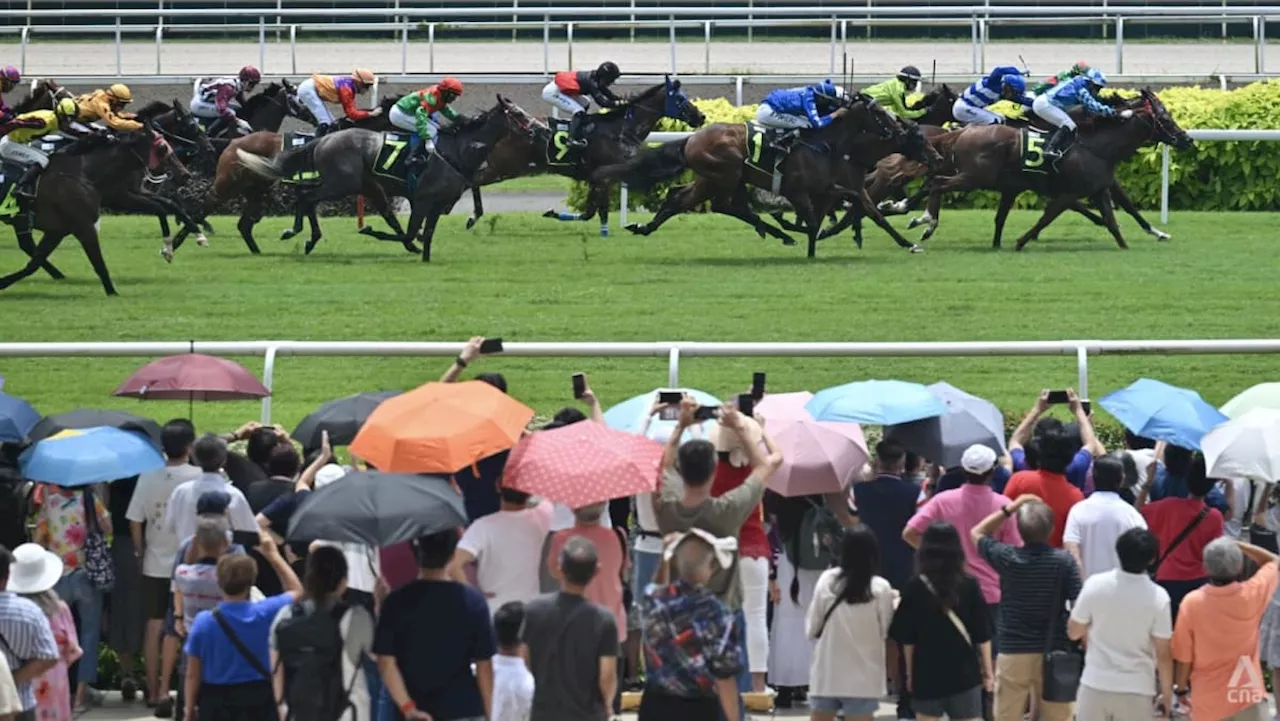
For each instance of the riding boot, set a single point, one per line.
(323, 128)
(575, 130)
(1059, 142)
(418, 157)
(25, 188)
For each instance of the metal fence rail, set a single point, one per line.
(673, 351)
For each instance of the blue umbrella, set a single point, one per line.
(17, 417)
(1157, 410)
(875, 402)
(630, 415)
(75, 458)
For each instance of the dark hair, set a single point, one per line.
(511, 495)
(1198, 482)
(259, 445)
(859, 563)
(578, 561)
(1056, 452)
(283, 461)
(1031, 453)
(507, 622)
(1134, 442)
(6, 559)
(176, 438)
(1137, 548)
(1131, 475)
(940, 560)
(696, 461)
(1108, 473)
(210, 453)
(568, 416)
(494, 379)
(1177, 460)
(213, 503)
(890, 452)
(913, 461)
(1045, 426)
(326, 570)
(434, 551)
(979, 479)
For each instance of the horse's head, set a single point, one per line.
(1164, 129)
(519, 122)
(914, 145)
(186, 128)
(680, 107)
(865, 114)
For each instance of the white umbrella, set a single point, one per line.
(1245, 447)
(1263, 395)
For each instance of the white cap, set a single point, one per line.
(329, 473)
(978, 459)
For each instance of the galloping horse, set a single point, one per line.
(616, 136)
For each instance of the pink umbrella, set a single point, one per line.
(583, 463)
(193, 377)
(818, 456)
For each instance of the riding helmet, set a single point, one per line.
(452, 86)
(910, 72)
(1014, 83)
(363, 75)
(121, 92)
(250, 74)
(67, 108)
(11, 75)
(608, 72)
(1096, 77)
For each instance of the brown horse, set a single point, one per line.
(991, 158)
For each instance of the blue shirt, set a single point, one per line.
(1076, 91)
(954, 478)
(885, 504)
(220, 662)
(28, 637)
(990, 88)
(1077, 469)
(798, 101)
(1167, 485)
(480, 490)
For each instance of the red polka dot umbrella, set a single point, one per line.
(584, 463)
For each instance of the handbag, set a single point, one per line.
(98, 565)
(1062, 668)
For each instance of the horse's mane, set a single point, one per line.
(473, 123)
(268, 91)
(389, 101)
(154, 108)
(621, 110)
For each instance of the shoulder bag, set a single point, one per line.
(1062, 669)
(254, 661)
(1178, 539)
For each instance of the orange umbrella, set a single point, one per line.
(440, 428)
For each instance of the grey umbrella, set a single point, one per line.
(91, 418)
(969, 420)
(343, 419)
(378, 509)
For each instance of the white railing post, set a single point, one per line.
(737, 90)
(159, 32)
(404, 47)
(706, 43)
(673, 367)
(568, 35)
(1257, 45)
(750, 21)
(515, 20)
(1262, 45)
(293, 49)
(268, 377)
(546, 44)
(974, 41)
(431, 47)
(832, 59)
(672, 35)
(1082, 372)
(262, 43)
(25, 36)
(1119, 44)
(623, 198)
(1164, 184)
(844, 40)
(119, 32)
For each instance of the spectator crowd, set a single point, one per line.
(1058, 579)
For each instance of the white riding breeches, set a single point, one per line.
(769, 117)
(24, 155)
(969, 115)
(1052, 113)
(568, 103)
(203, 108)
(310, 99)
(753, 573)
(408, 122)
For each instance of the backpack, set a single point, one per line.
(818, 540)
(310, 647)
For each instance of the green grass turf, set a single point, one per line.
(700, 278)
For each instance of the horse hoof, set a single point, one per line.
(551, 213)
(366, 230)
(788, 241)
(202, 240)
(915, 249)
(636, 228)
(311, 245)
(471, 222)
(167, 253)
(604, 232)
(1160, 235)
(287, 234)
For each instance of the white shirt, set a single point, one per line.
(150, 499)
(646, 522)
(848, 659)
(180, 514)
(1124, 612)
(512, 689)
(1095, 523)
(507, 546)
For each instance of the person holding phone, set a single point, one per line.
(1035, 425)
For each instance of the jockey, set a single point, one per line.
(9, 78)
(1053, 107)
(216, 99)
(415, 112)
(107, 107)
(1080, 68)
(29, 126)
(1002, 83)
(811, 106)
(567, 90)
(342, 90)
(892, 93)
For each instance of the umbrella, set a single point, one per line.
(1245, 447)
(1157, 410)
(969, 420)
(441, 427)
(193, 377)
(89, 418)
(584, 463)
(818, 456)
(378, 509)
(1263, 395)
(878, 402)
(17, 418)
(75, 458)
(342, 418)
(631, 415)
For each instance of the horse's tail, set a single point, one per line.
(284, 165)
(648, 168)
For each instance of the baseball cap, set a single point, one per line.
(213, 503)
(978, 459)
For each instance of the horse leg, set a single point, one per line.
(878, 218)
(736, 206)
(780, 218)
(288, 233)
(1121, 198)
(376, 196)
(587, 213)
(88, 237)
(477, 208)
(429, 232)
(313, 219)
(1051, 213)
(678, 200)
(1002, 214)
(1103, 201)
(22, 227)
(602, 204)
(812, 219)
(43, 250)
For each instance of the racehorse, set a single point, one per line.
(616, 136)
(347, 162)
(177, 131)
(991, 158)
(42, 96)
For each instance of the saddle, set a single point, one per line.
(767, 148)
(292, 141)
(54, 142)
(559, 152)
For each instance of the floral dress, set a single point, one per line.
(53, 689)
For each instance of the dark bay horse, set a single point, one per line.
(616, 137)
(990, 158)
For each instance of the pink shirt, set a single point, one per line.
(964, 508)
(606, 588)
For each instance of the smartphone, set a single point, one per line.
(1087, 407)
(579, 385)
(491, 345)
(757, 385)
(670, 397)
(248, 539)
(705, 413)
(746, 404)
(1058, 397)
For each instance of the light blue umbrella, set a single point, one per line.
(75, 458)
(1157, 410)
(630, 415)
(17, 417)
(876, 402)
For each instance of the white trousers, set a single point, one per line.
(405, 121)
(310, 99)
(753, 573)
(205, 109)
(567, 103)
(769, 117)
(970, 115)
(1052, 113)
(16, 152)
